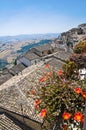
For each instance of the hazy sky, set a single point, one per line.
(40, 16)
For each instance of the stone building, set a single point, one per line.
(17, 69)
(28, 59)
(83, 27)
(44, 50)
(76, 31)
(35, 55)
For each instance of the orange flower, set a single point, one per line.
(66, 115)
(43, 113)
(60, 72)
(78, 116)
(78, 90)
(84, 94)
(41, 79)
(32, 92)
(37, 102)
(47, 65)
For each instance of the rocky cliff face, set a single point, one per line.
(73, 35)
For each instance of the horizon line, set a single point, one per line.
(30, 34)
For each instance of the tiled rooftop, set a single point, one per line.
(14, 92)
(8, 124)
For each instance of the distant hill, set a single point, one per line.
(28, 37)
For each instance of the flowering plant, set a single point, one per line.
(62, 100)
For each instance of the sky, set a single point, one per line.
(40, 16)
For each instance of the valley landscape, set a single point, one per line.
(42, 65)
(12, 47)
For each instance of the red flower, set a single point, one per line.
(37, 102)
(43, 113)
(47, 65)
(41, 79)
(84, 94)
(78, 116)
(78, 90)
(66, 115)
(32, 92)
(60, 72)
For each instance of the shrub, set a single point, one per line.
(79, 59)
(80, 47)
(70, 70)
